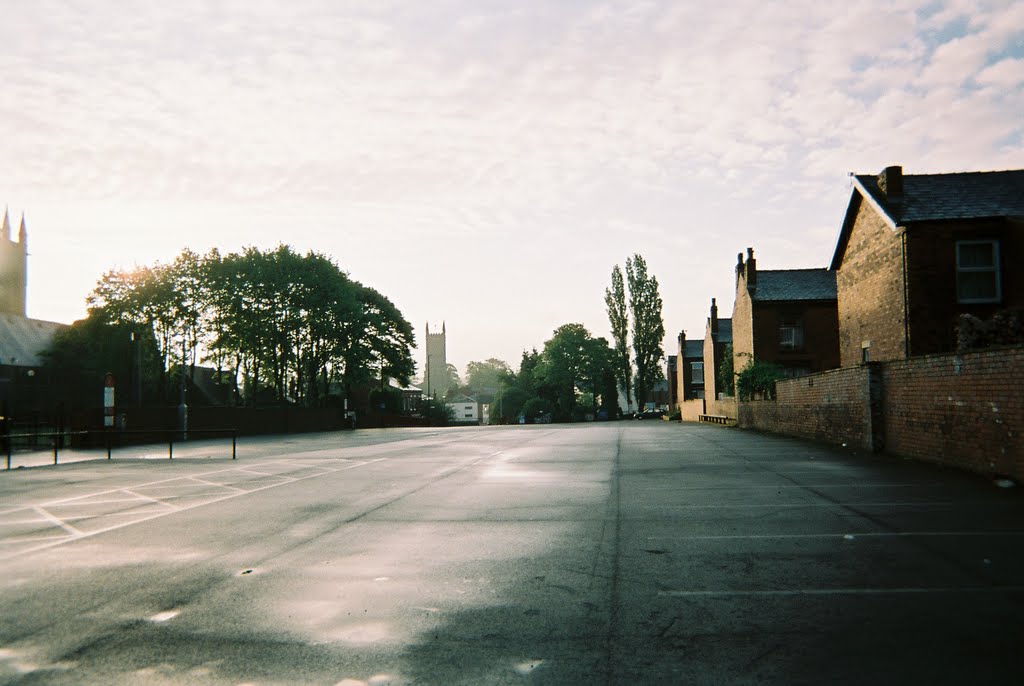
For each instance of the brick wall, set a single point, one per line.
(726, 408)
(965, 411)
(869, 283)
(690, 410)
(832, 406)
(961, 410)
(931, 275)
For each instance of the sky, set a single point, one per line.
(486, 163)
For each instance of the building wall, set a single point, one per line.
(742, 327)
(821, 334)
(436, 379)
(931, 268)
(13, 277)
(960, 410)
(964, 411)
(869, 284)
(691, 410)
(832, 406)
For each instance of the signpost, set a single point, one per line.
(108, 401)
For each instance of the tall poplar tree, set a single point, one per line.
(648, 326)
(618, 318)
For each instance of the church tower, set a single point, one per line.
(436, 376)
(13, 269)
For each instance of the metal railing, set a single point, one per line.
(110, 439)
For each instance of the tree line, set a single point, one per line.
(279, 327)
(576, 374)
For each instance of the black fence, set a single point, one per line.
(110, 441)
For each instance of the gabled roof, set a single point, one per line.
(945, 197)
(963, 196)
(22, 340)
(695, 349)
(789, 285)
(725, 330)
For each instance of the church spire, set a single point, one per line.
(5, 231)
(22, 233)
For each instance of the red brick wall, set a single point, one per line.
(966, 411)
(869, 283)
(931, 265)
(821, 334)
(832, 406)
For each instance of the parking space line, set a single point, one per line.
(227, 493)
(56, 521)
(152, 500)
(783, 592)
(848, 535)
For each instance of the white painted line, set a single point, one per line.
(58, 522)
(839, 591)
(196, 479)
(152, 500)
(847, 536)
(16, 541)
(780, 506)
(76, 534)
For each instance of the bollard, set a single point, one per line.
(234, 442)
(170, 448)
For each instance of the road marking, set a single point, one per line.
(840, 591)
(58, 522)
(152, 500)
(75, 534)
(847, 536)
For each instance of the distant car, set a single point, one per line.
(651, 414)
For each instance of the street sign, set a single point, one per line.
(108, 400)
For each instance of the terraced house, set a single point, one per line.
(915, 251)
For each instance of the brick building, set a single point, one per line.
(717, 338)
(787, 317)
(916, 251)
(689, 369)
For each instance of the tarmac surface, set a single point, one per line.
(612, 553)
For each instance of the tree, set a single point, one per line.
(485, 378)
(758, 378)
(726, 375)
(283, 327)
(648, 326)
(618, 318)
(573, 362)
(517, 388)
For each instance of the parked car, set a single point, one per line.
(651, 414)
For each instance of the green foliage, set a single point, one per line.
(280, 324)
(757, 379)
(436, 411)
(80, 355)
(648, 327)
(485, 378)
(618, 318)
(726, 375)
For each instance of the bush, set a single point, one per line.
(757, 379)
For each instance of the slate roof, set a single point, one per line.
(788, 285)
(22, 339)
(725, 330)
(945, 197)
(695, 349)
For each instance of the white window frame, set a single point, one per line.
(794, 327)
(693, 375)
(994, 269)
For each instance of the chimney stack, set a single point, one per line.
(751, 270)
(890, 182)
(713, 319)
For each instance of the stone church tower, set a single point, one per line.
(13, 269)
(436, 374)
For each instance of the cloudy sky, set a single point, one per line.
(486, 163)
